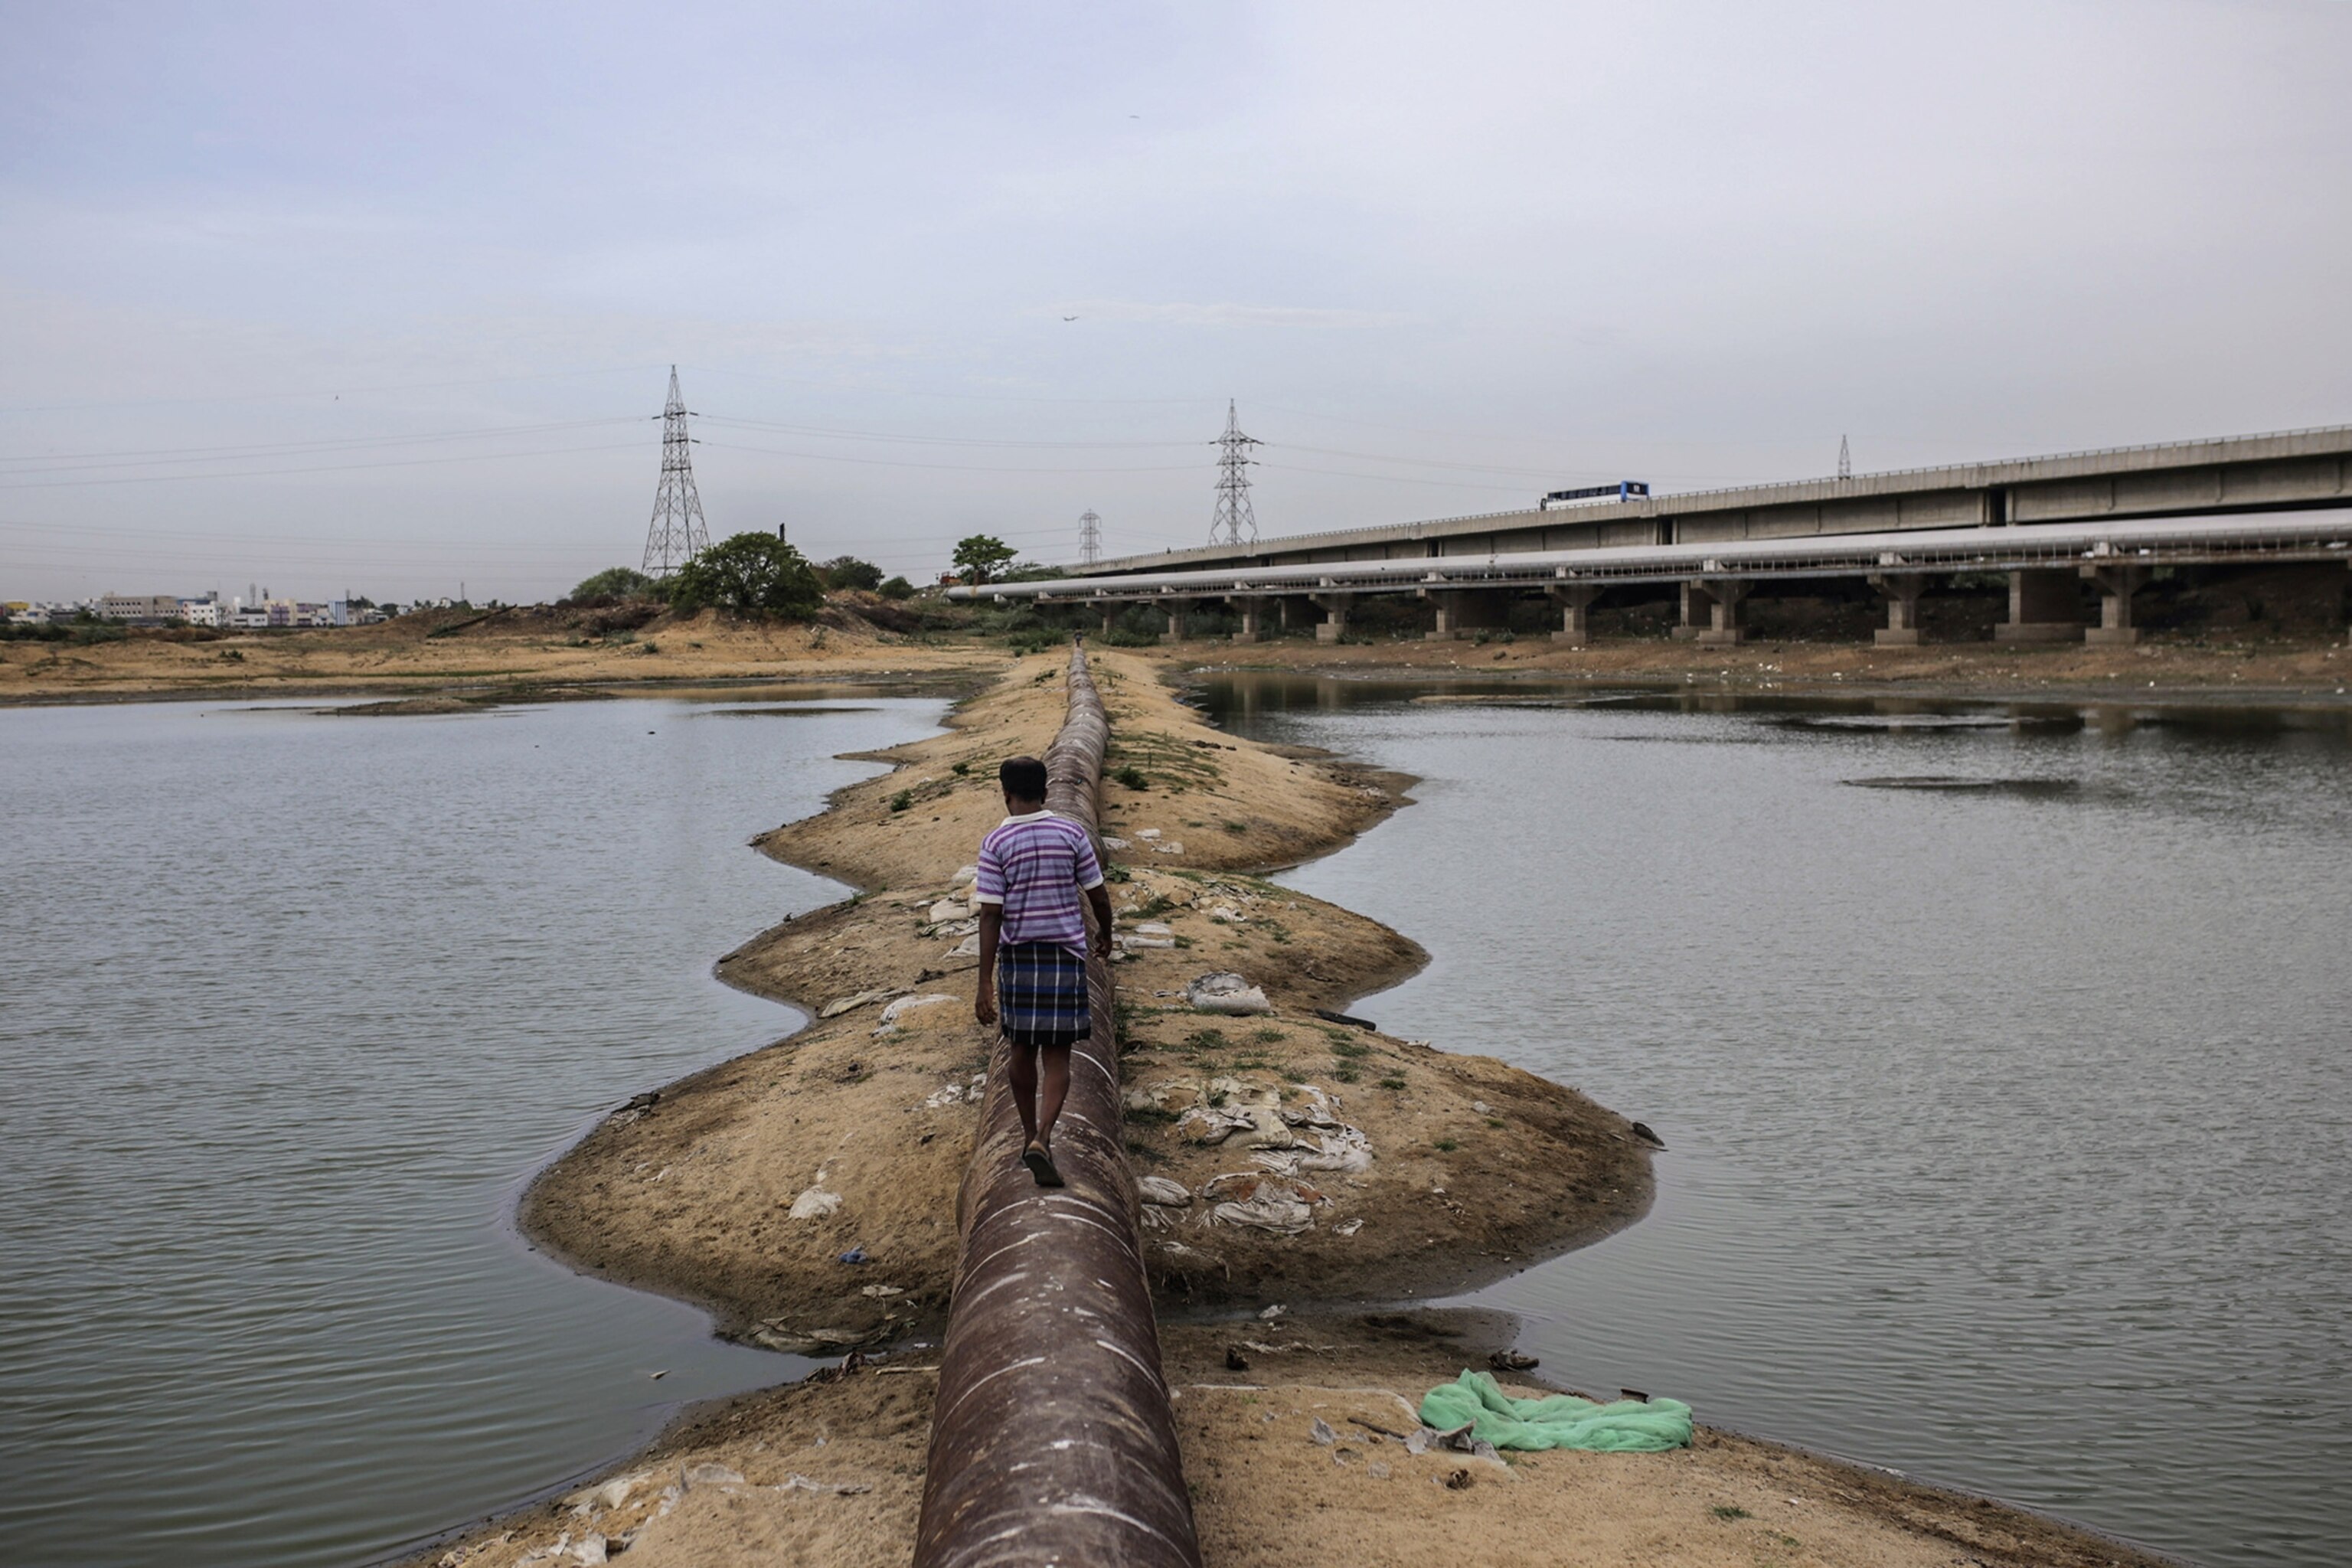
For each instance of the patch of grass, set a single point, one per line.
(1392, 1081)
(1728, 1511)
(1146, 1152)
(1153, 908)
(958, 768)
(1234, 827)
(1345, 1075)
(1339, 1036)
(1267, 1037)
(1207, 1040)
(1446, 1145)
(1132, 778)
(1118, 874)
(902, 800)
(1349, 1049)
(1493, 1121)
(1152, 1115)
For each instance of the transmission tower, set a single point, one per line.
(1235, 521)
(1089, 538)
(678, 530)
(1845, 460)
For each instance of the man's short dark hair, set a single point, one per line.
(1024, 778)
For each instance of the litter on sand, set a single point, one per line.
(1474, 1402)
(1226, 992)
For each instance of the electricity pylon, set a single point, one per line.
(678, 530)
(1845, 460)
(1089, 538)
(1235, 521)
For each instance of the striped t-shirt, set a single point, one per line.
(1038, 867)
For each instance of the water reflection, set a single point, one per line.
(294, 1004)
(2008, 1108)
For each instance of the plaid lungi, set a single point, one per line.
(1040, 993)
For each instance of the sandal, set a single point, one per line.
(1041, 1165)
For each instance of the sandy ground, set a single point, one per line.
(1468, 1167)
(526, 653)
(464, 658)
(2310, 668)
(829, 1474)
(863, 1122)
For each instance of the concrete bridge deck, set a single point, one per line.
(2108, 518)
(2236, 473)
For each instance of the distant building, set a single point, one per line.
(204, 612)
(139, 609)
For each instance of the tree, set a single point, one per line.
(978, 557)
(750, 571)
(849, 571)
(897, 588)
(616, 583)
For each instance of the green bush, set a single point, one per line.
(616, 583)
(754, 574)
(848, 572)
(896, 588)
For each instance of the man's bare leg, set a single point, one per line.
(1021, 1064)
(1056, 1090)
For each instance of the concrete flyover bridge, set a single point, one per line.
(2049, 523)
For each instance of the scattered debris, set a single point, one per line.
(1269, 1314)
(800, 1483)
(1350, 1228)
(1641, 1131)
(1329, 1016)
(1321, 1432)
(1235, 1360)
(1228, 994)
(947, 911)
(1161, 1191)
(814, 1203)
(905, 1004)
(1512, 1361)
(1459, 1481)
(855, 1255)
(851, 1004)
(710, 1474)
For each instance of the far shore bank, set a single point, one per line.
(744, 1188)
(539, 656)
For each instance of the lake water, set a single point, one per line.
(2009, 1113)
(290, 1006)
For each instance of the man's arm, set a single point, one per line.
(983, 996)
(1099, 896)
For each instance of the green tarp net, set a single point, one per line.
(1557, 1421)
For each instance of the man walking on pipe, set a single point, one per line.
(1034, 868)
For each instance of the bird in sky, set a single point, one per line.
(1069, 318)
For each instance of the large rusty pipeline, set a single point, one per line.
(1054, 1440)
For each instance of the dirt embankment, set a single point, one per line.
(1314, 1158)
(524, 653)
(1292, 1160)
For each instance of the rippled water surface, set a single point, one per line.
(2007, 1095)
(289, 1007)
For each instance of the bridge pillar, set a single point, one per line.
(1575, 609)
(2045, 605)
(1110, 618)
(1176, 614)
(1334, 625)
(2114, 584)
(1253, 614)
(1463, 610)
(1902, 628)
(1692, 608)
(1724, 596)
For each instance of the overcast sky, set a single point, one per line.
(383, 298)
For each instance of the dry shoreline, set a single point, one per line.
(733, 1148)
